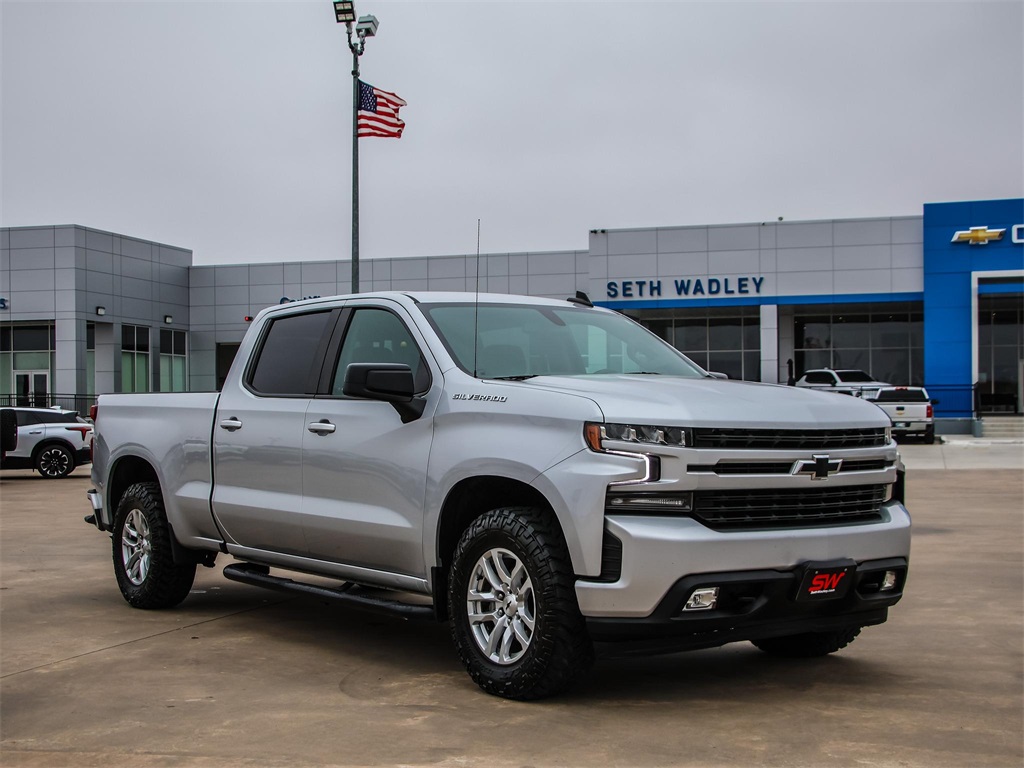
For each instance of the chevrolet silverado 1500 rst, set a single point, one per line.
(549, 473)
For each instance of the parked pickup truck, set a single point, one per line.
(910, 409)
(546, 473)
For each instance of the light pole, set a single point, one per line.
(366, 26)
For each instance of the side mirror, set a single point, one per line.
(387, 382)
(935, 402)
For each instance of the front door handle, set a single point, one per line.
(230, 424)
(322, 427)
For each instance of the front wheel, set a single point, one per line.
(143, 559)
(808, 645)
(512, 601)
(54, 461)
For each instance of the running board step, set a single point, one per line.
(349, 594)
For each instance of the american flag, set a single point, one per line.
(378, 112)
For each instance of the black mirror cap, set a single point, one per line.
(387, 382)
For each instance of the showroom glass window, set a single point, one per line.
(722, 339)
(134, 358)
(173, 361)
(887, 340)
(27, 363)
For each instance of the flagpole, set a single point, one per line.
(355, 168)
(366, 26)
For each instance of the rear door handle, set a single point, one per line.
(322, 427)
(230, 424)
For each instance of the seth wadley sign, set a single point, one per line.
(685, 286)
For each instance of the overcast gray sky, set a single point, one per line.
(225, 127)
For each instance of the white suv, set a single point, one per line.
(847, 381)
(51, 441)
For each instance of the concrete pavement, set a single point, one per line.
(237, 676)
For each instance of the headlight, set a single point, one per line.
(596, 434)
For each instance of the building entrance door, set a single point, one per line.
(1000, 352)
(32, 388)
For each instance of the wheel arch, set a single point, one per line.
(47, 442)
(466, 501)
(125, 472)
(50, 442)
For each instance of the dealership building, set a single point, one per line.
(935, 300)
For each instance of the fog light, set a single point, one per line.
(702, 599)
(888, 582)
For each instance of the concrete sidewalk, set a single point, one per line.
(963, 452)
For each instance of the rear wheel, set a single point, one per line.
(929, 434)
(143, 559)
(512, 601)
(54, 461)
(808, 645)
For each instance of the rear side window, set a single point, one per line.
(289, 352)
(26, 418)
(58, 418)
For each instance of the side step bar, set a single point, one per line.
(259, 576)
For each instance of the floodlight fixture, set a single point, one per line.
(168, 319)
(101, 311)
(345, 11)
(367, 26)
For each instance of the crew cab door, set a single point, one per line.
(258, 433)
(364, 464)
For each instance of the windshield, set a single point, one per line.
(519, 341)
(853, 376)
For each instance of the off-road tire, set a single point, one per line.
(140, 526)
(559, 649)
(54, 461)
(808, 645)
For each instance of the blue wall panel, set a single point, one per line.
(947, 291)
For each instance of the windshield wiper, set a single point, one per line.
(644, 373)
(523, 377)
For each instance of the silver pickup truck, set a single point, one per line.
(543, 474)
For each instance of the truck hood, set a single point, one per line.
(676, 401)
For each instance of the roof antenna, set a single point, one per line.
(476, 303)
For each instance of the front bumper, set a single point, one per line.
(754, 605)
(657, 552)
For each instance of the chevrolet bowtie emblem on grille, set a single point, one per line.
(977, 235)
(819, 467)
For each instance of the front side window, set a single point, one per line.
(518, 341)
(284, 365)
(819, 377)
(378, 336)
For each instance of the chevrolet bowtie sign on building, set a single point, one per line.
(978, 235)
